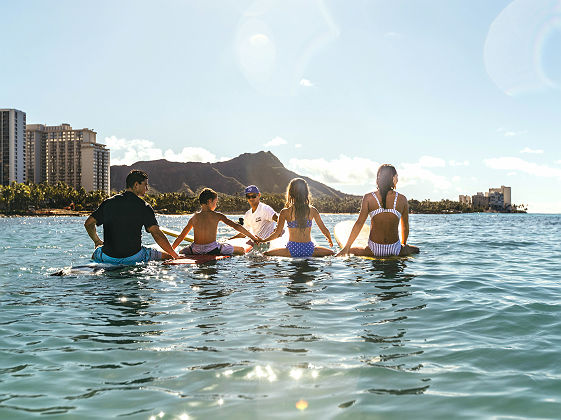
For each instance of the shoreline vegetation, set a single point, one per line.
(18, 199)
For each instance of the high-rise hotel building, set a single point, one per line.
(12, 146)
(60, 153)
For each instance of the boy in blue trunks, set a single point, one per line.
(123, 217)
(205, 225)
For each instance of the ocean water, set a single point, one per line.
(469, 328)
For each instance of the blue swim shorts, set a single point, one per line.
(144, 255)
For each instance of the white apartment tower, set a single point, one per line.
(60, 153)
(12, 146)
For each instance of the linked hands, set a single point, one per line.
(345, 251)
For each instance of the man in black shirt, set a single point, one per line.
(122, 217)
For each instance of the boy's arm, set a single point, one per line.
(238, 227)
(183, 233)
(321, 225)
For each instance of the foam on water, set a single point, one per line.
(469, 328)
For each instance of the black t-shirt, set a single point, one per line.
(122, 217)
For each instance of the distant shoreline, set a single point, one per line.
(62, 212)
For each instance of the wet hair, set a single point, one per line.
(298, 196)
(135, 176)
(384, 180)
(207, 194)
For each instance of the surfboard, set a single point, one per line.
(342, 232)
(175, 233)
(91, 268)
(201, 259)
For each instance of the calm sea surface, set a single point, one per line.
(470, 328)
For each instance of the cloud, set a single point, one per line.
(298, 146)
(511, 133)
(343, 170)
(415, 173)
(456, 163)
(306, 83)
(277, 141)
(520, 165)
(358, 171)
(127, 152)
(431, 162)
(534, 151)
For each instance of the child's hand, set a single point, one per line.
(330, 242)
(343, 252)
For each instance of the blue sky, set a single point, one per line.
(459, 95)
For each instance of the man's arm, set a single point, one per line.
(89, 224)
(162, 241)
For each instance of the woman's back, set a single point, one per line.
(385, 220)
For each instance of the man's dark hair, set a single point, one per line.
(207, 194)
(135, 176)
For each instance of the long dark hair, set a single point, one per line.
(384, 180)
(298, 195)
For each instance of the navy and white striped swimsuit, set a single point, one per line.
(385, 250)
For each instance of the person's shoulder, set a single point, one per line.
(267, 208)
(401, 199)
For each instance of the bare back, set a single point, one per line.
(384, 225)
(205, 226)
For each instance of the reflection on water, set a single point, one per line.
(259, 337)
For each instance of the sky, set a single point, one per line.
(459, 96)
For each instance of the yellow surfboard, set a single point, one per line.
(175, 234)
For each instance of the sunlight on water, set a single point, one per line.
(471, 326)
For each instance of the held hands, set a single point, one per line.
(343, 252)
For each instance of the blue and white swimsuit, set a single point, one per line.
(300, 249)
(385, 250)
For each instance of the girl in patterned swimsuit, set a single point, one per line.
(384, 238)
(298, 215)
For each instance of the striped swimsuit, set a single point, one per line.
(384, 250)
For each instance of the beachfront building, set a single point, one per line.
(61, 153)
(496, 200)
(12, 146)
(465, 199)
(480, 201)
(506, 193)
